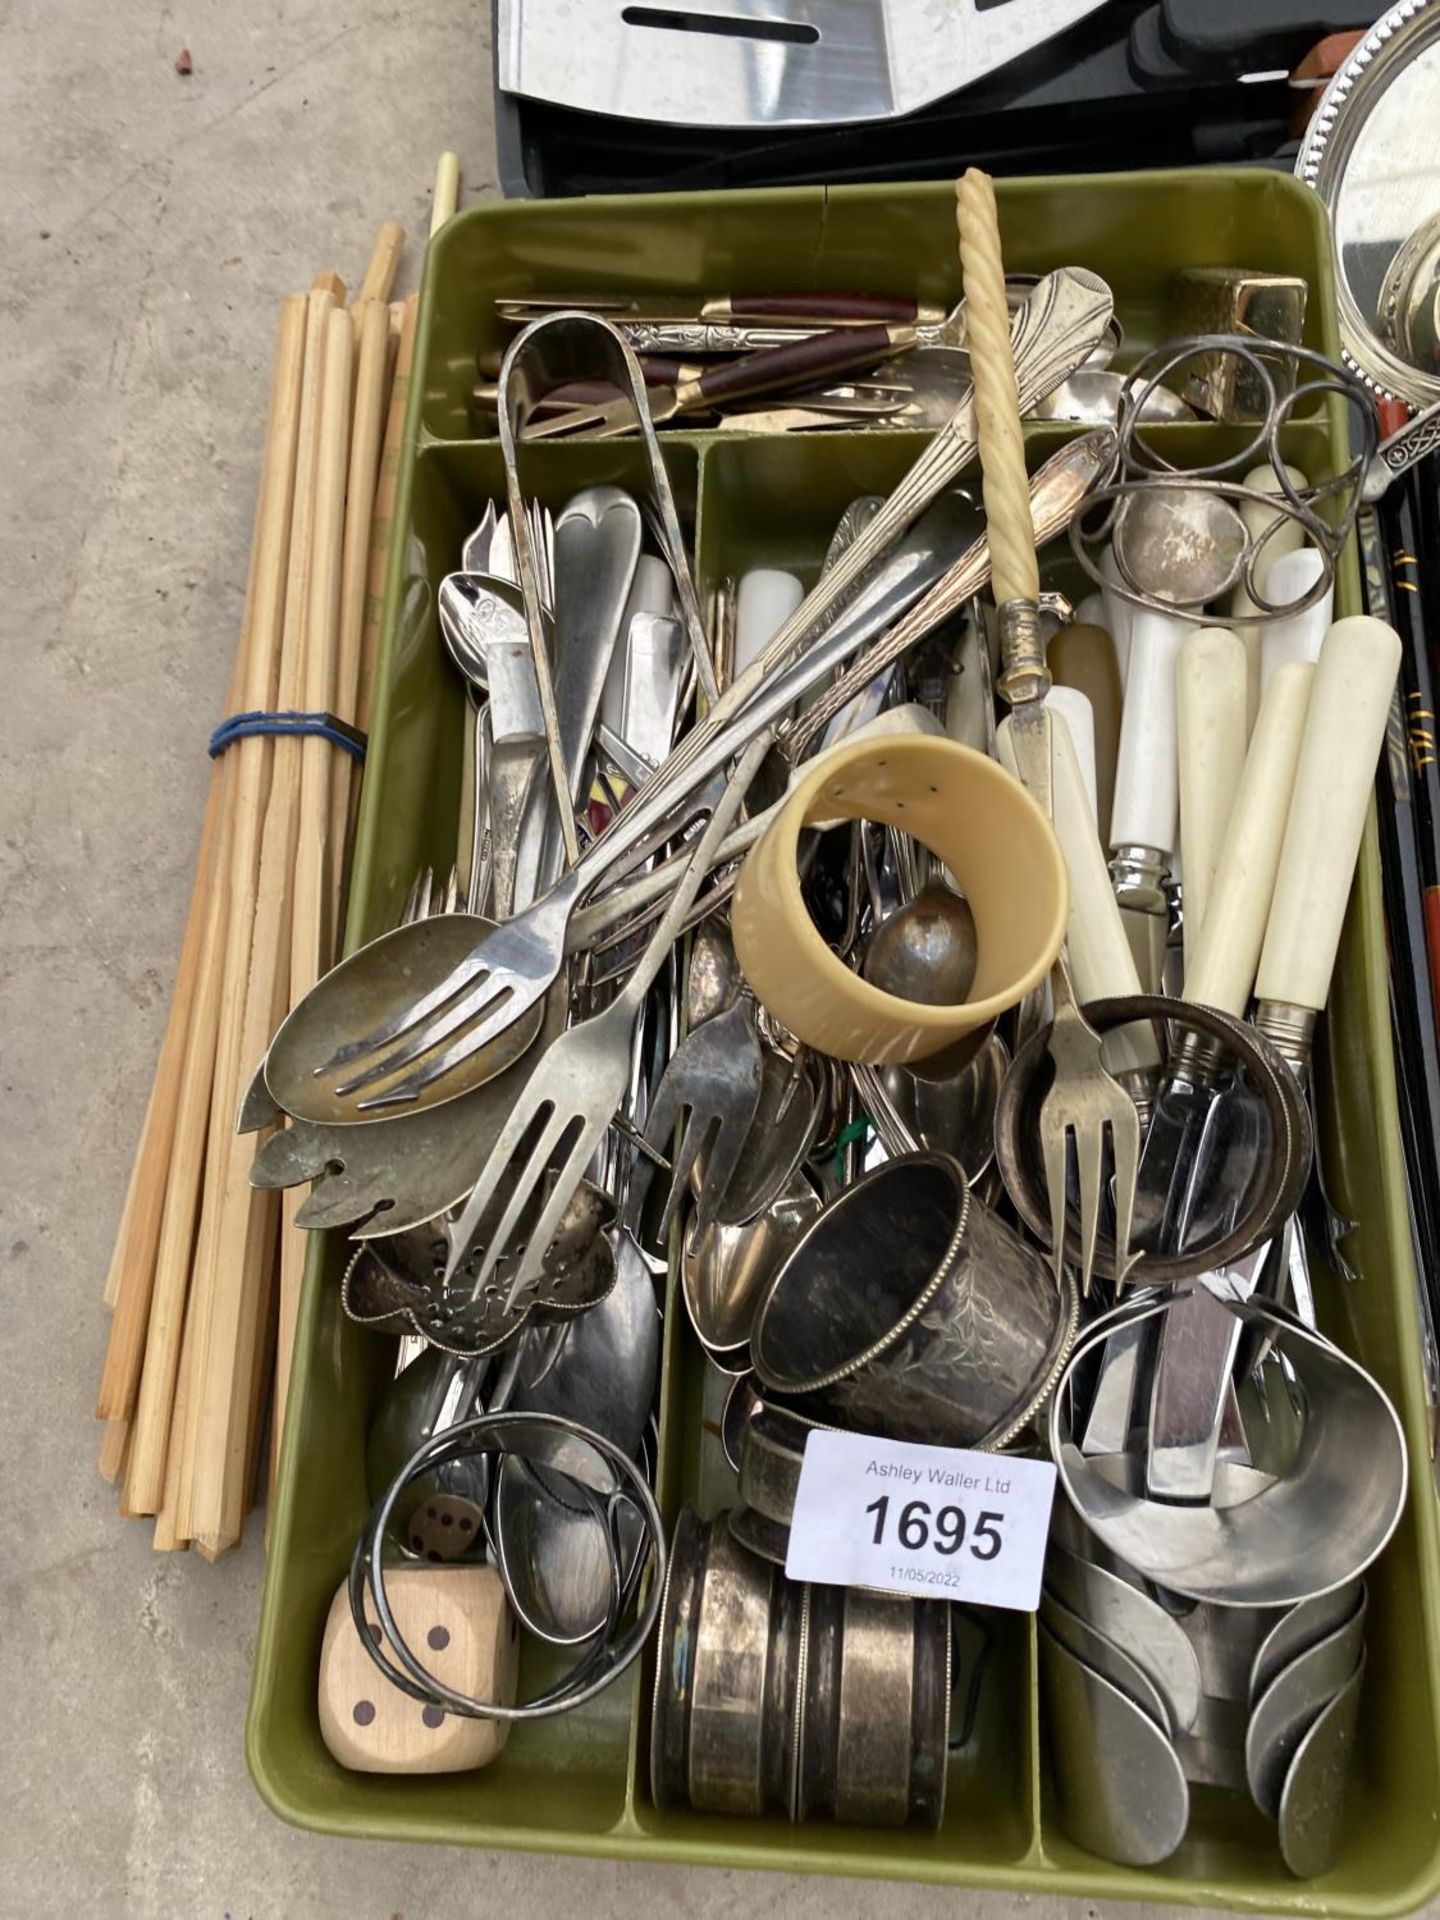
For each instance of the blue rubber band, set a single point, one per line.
(324, 726)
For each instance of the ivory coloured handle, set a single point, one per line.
(1003, 479)
(1147, 785)
(1117, 616)
(1101, 963)
(1211, 731)
(1220, 969)
(1079, 716)
(1288, 534)
(1294, 636)
(1344, 732)
(765, 601)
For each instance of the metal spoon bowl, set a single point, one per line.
(1094, 397)
(926, 950)
(954, 1116)
(555, 1559)
(781, 1136)
(1185, 546)
(599, 1367)
(366, 989)
(726, 1269)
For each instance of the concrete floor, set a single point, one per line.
(150, 225)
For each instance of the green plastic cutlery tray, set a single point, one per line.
(579, 1784)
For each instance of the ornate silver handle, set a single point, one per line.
(1402, 450)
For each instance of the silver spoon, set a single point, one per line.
(955, 1115)
(926, 950)
(601, 1366)
(725, 1270)
(1094, 397)
(555, 1558)
(1184, 545)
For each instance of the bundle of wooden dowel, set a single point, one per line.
(204, 1283)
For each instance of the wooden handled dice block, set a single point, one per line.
(457, 1621)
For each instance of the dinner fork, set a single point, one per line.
(579, 1086)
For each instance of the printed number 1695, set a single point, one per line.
(918, 1527)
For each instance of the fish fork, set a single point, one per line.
(1083, 1103)
(579, 1086)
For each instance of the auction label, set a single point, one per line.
(928, 1521)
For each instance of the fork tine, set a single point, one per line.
(1055, 1146)
(659, 1127)
(461, 1231)
(691, 1143)
(567, 1182)
(415, 1015)
(503, 1015)
(525, 1189)
(1125, 1151)
(472, 1001)
(1089, 1164)
(502, 1155)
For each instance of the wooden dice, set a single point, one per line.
(457, 1621)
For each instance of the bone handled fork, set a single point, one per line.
(1084, 1097)
(579, 1085)
(1083, 1101)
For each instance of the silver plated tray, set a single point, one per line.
(1372, 156)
